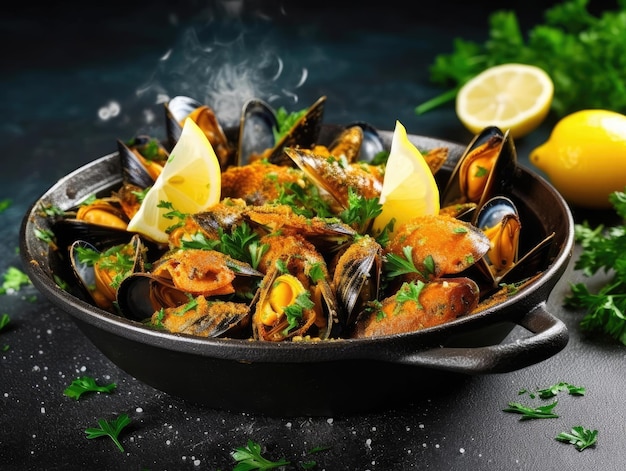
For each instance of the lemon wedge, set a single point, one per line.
(510, 96)
(190, 182)
(409, 186)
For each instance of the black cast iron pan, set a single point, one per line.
(312, 379)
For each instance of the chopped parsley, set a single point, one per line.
(528, 413)
(294, 311)
(603, 249)
(86, 384)
(4, 204)
(111, 429)
(250, 458)
(396, 265)
(13, 280)
(580, 437)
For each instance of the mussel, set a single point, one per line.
(357, 278)
(142, 159)
(179, 274)
(418, 305)
(500, 220)
(100, 272)
(180, 108)
(295, 301)
(485, 169)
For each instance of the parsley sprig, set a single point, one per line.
(553, 390)
(603, 249)
(13, 280)
(396, 265)
(249, 458)
(569, 44)
(86, 384)
(361, 211)
(579, 436)
(528, 413)
(4, 320)
(242, 243)
(111, 428)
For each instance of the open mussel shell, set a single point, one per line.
(66, 231)
(304, 133)
(142, 294)
(98, 285)
(84, 273)
(501, 213)
(371, 143)
(256, 130)
(137, 169)
(485, 169)
(281, 289)
(176, 110)
(357, 278)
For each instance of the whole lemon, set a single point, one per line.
(585, 157)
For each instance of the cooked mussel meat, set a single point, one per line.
(485, 169)
(432, 246)
(418, 305)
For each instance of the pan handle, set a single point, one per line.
(551, 336)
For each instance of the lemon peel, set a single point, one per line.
(190, 182)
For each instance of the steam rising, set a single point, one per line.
(225, 63)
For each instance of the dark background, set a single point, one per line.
(76, 77)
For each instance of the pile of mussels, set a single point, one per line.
(289, 253)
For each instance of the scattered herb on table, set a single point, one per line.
(86, 384)
(568, 45)
(111, 428)
(528, 413)
(603, 249)
(553, 390)
(249, 458)
(580, 437)
(4, 204)
(14, 278)
(4, 320)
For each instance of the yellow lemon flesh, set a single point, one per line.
(512, 96)
(190, 182)
(409, 186)
(585, 157)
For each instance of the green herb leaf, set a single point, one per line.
(14, 278)
(603, 249)
(410, 292)
(580, 437)
(528, 413)
(294, 311)
(86, 384)
(249, 458)
(360, 210)
(4, 320)
(568, 44)
(110, 428)
(556, 388)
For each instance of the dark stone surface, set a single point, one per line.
(74, 79)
